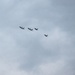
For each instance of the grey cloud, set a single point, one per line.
(31, 49)
(66, 9)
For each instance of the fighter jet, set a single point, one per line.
(30, 29)
(45, 35)
(36, 28)
(21, 27)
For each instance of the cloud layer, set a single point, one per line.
(30, 53)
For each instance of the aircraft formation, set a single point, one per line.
(46, 35)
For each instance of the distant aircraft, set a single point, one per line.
(30, 29)
(36, 28)
(21, 27)
(45, 35)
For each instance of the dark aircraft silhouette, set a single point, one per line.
(30, 29)
(45, 35)
(36, 28)
(21, 27)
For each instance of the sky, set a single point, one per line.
(23, 52)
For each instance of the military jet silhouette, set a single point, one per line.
(21, 27)
(36, 28)
(45, 35)
(30, 29)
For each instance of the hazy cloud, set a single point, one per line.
(30, 53)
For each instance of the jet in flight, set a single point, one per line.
(21, 27)
(36, 28)
(30, 29)
(45, 35)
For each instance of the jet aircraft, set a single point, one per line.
(30, 29)
(21, 27)
(45, 35)
(36, 28)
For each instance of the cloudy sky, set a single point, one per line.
(23, 52)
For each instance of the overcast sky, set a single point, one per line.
(23, 52)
